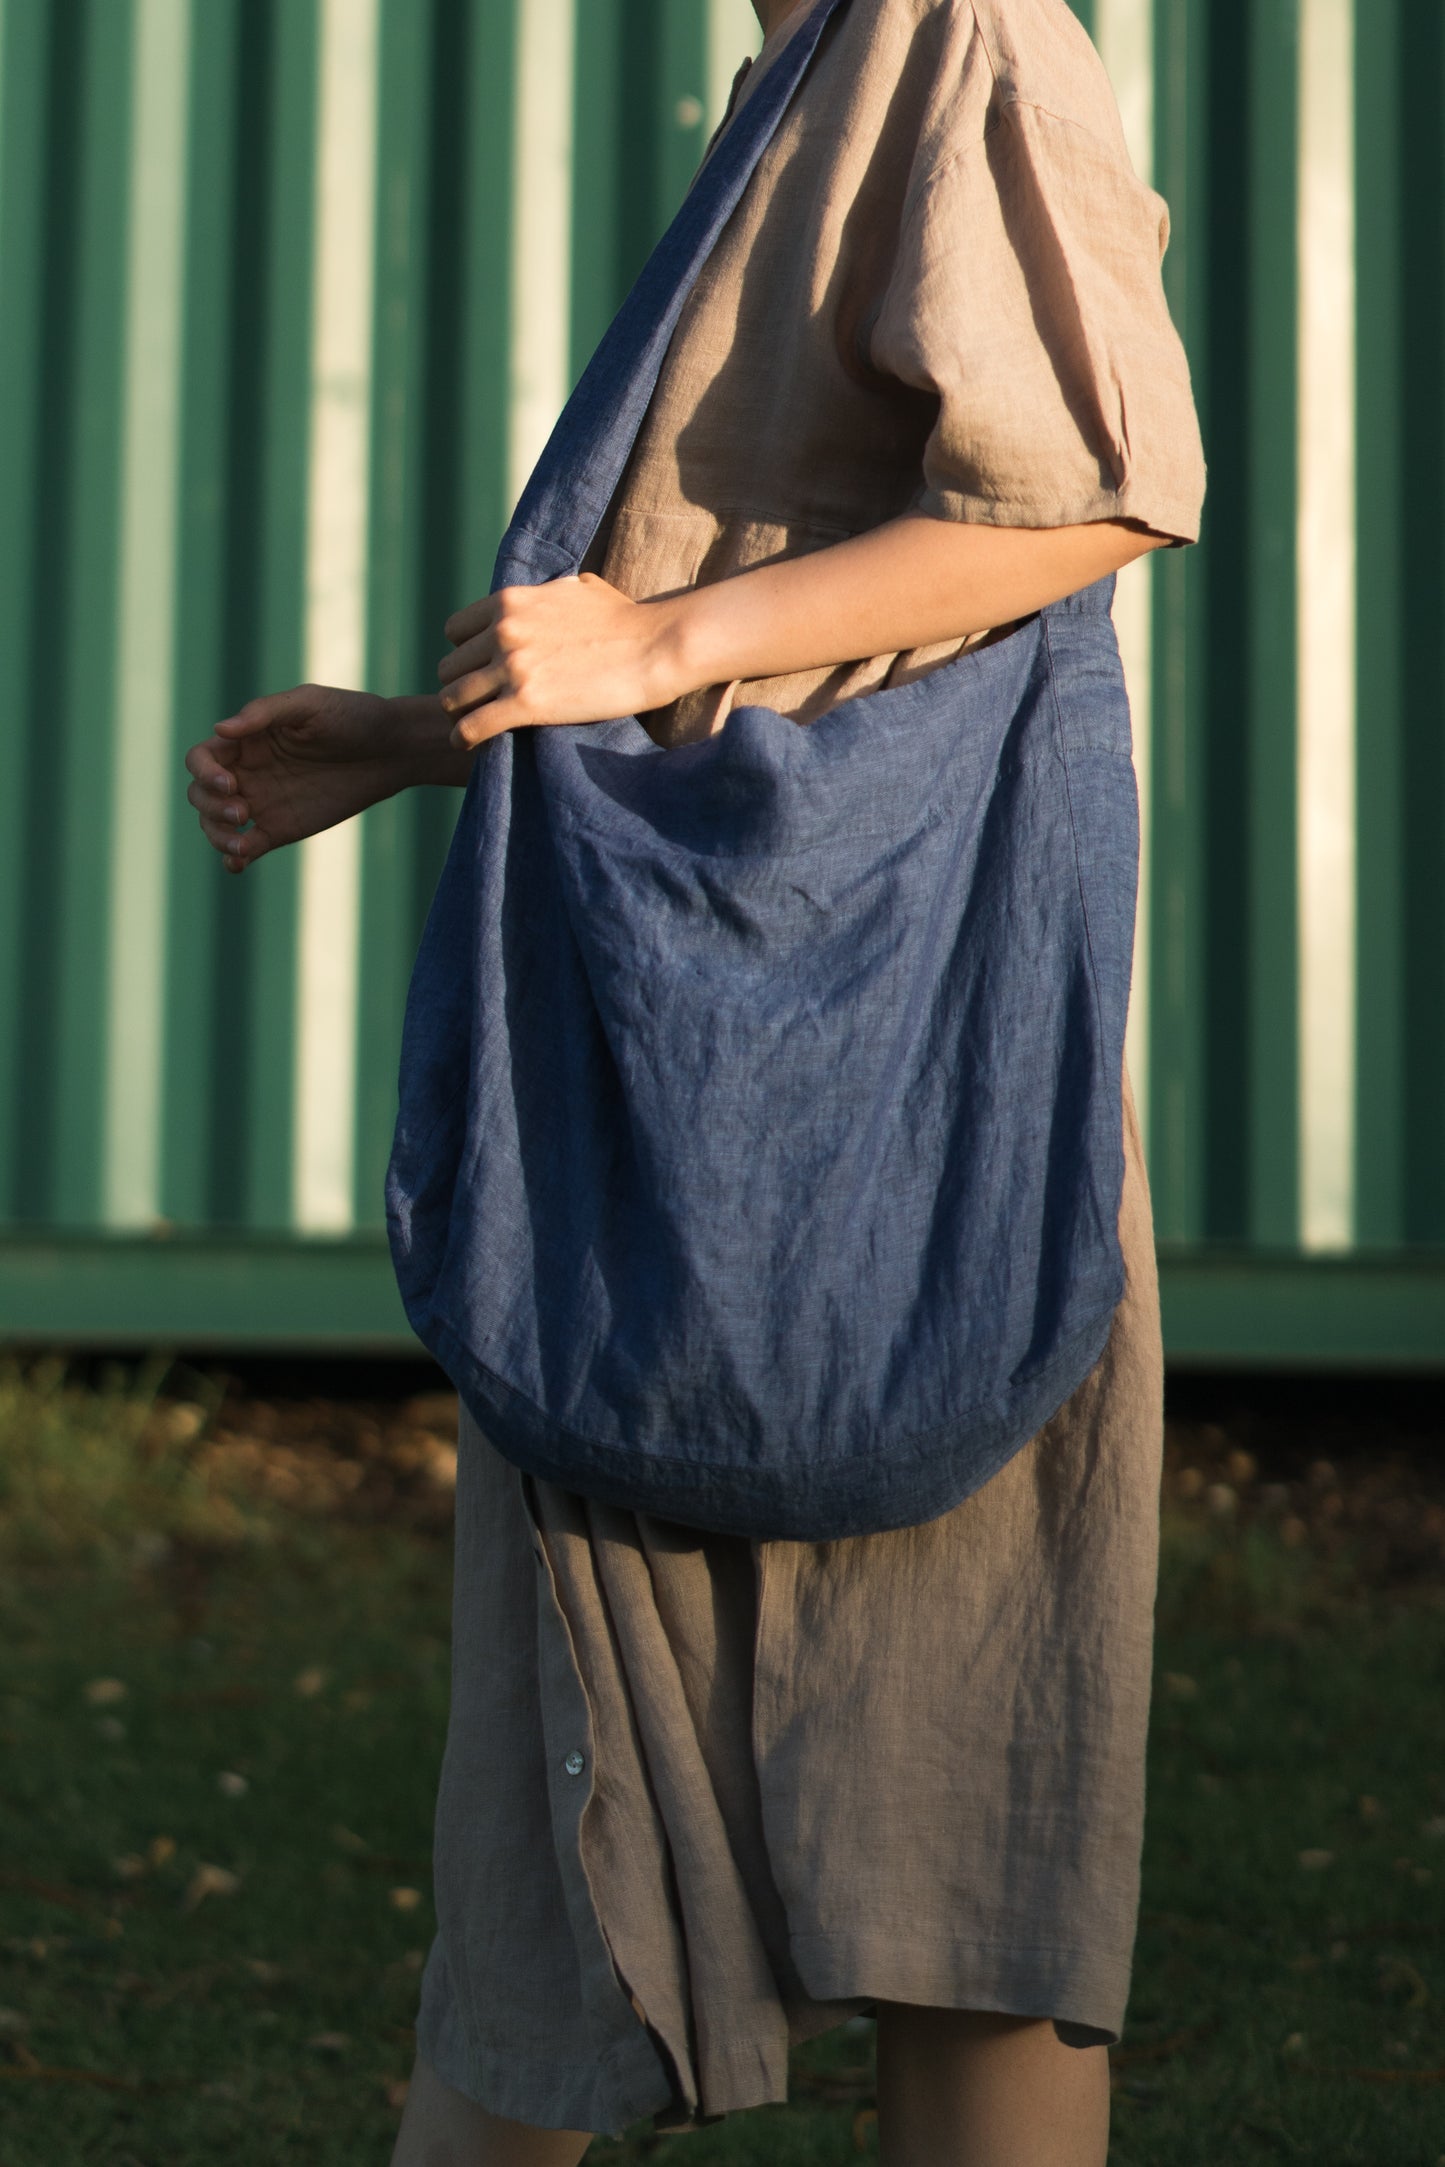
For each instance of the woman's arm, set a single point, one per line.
(291, 764)
(577, 650)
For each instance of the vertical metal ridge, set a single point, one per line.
(89, 131)
(539, 302)
(1185, 152)
(1265, 1089)
(1123, 30)
(145, 659)
(1421, 140)
(681, 115)
(474, 466)
(24, 261)
(1325, 545)
(259, 917)
(1124, 33)
(600, 260)
(323, 1173)
(733, 36)
(402, 645)
(199, 1102)
(1383, 574)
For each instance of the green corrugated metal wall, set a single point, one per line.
(289, 293)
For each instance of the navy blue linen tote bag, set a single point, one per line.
(759, 1152)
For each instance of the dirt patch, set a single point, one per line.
(372, 1460)
(1351, 1469)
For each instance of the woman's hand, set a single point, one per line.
(293, 763)
(573, 650)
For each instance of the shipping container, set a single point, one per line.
(290, 294)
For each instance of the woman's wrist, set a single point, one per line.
(673, 660)
(419, 731)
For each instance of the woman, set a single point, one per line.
(705, 1796)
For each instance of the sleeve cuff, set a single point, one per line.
(1177, 518)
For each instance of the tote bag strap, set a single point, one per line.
(581, 464)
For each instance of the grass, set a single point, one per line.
(222, 1708)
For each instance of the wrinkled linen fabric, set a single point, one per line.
(908, 1765)
(808, 1776)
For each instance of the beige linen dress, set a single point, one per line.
(703, 1797)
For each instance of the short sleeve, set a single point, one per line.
(1027, 295)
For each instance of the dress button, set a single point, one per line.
(574, 1763)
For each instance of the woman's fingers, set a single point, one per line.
(236, 851)
(271, 708)
(473, 654)
(488, 720)
(223, 815)
(217, 804)
(465, 624)
(228, 840)
(219, 834)
(202, 762)
(473, 689)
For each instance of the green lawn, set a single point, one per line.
(222, 1711)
